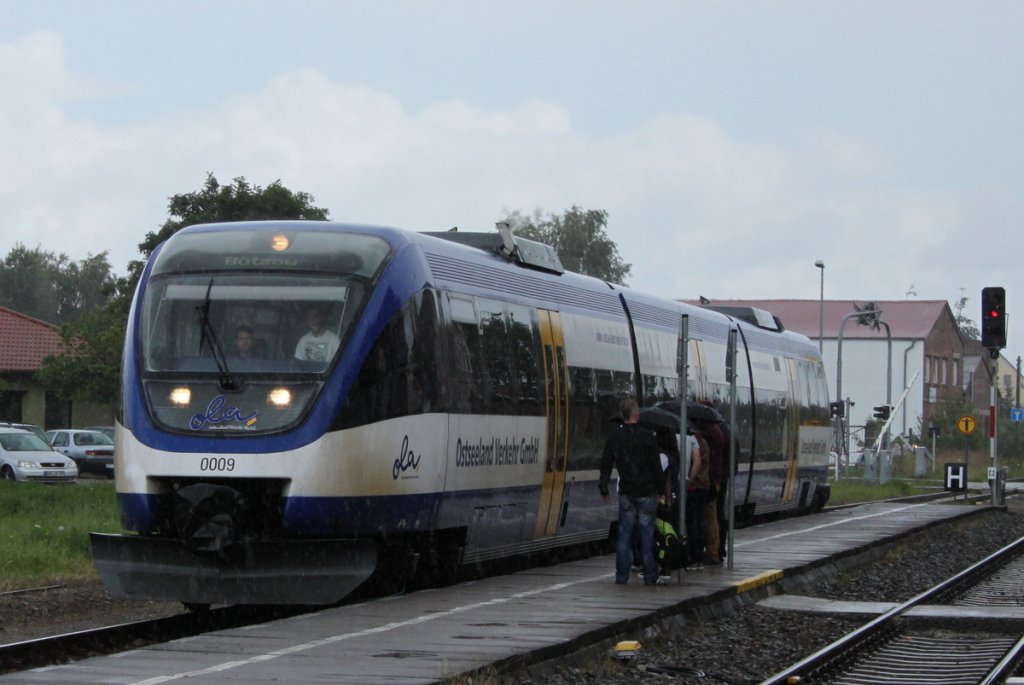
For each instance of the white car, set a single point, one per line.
(26, 456)
(92, 451)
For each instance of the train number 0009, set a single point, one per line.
(216, 464)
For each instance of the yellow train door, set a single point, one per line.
(791, 441)
(556, 384)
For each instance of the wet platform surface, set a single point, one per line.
(429, 636)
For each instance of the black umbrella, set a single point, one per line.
(695, 411)
(658, 418)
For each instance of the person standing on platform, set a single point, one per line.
(697, 484)
(632, 450)
(668, 443)
(715, 437)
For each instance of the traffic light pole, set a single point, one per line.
(993, 434)
(893, 410)
(993, 337)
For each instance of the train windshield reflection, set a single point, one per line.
(269, 323)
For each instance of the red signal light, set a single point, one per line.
(993, 324)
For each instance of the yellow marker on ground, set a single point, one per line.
(766, 578)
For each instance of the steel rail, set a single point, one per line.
(887, 620)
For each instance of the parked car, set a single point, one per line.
(92, 450)
(26, 456)
(106, 430)
(26, 427)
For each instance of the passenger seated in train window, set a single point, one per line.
(320, 343)
(246, 345)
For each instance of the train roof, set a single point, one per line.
(499, 262)
(476, 260)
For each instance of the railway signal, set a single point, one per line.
(993, 318)
(882, 412)
(837, 409)
(993, 336)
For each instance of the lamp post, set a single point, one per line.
(821, 308)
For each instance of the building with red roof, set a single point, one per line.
(24, 343)
(928, 355)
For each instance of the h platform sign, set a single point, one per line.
(956, 477)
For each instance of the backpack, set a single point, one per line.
(669, 549)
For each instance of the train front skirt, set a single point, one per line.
(277, 572)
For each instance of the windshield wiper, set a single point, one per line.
(209, 336)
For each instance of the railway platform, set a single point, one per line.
(517, 619)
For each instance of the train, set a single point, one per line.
(451, 410)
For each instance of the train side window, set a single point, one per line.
(467, 367)
(584, 384)
(604, 383)
(624, 385)
(494, 349)
(658, 389)
(587, 422)
(524, 348)
(427, 354)
(399, 375)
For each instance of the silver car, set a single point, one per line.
(106, 430)
(26, 456)
(26, 427)
(91, 450)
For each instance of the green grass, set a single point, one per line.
(905, 481)
(44, 530)
(851, 490)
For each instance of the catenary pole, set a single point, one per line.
(682, 370)
(730, 371)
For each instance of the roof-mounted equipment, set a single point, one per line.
(521, 251)
(752, 315)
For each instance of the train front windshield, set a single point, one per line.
(238, 329)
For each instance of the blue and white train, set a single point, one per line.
(460, 419)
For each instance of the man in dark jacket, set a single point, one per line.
(633, 451)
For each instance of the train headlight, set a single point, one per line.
(181, 397)
(280, 397)
(279, 243)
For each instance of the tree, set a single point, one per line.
(51, 287)
(84, 286)
(89, 364)
(580, 240)
(968, 329)
(26, 282)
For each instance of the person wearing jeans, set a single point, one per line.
(634, 511)
(633, 451)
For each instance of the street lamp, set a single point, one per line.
(821, 308)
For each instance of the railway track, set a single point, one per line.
(931, 638)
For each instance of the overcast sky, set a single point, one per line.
(732, 143)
